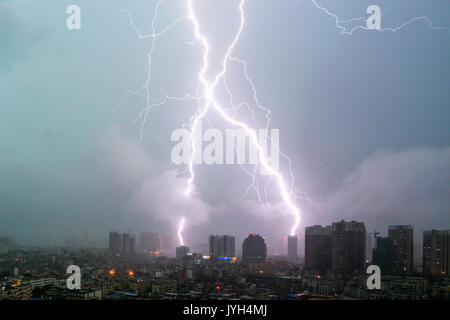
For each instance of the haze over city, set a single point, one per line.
(363, 118)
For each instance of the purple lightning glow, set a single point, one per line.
(209, 88)
(180, 231)
(289, 192)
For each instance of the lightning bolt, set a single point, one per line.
(287, 192)
(209, 88)
(180, 231)
(343, 30)
(205, 98)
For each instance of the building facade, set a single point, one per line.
(436, 252)
(150, 241)
(348, 247)
(292, 248)
(402, 236)
(181, 252)
(318, 248)
(222, 246)
(254, 249)
(115, 243)
(121, 244)
(383, 255)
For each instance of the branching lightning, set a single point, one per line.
(206, 100)
(209, 88)
(344, 31)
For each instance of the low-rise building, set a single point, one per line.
(19, 292)
(164, 286)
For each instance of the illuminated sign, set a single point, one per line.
(227, 258)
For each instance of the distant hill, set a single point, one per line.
(8, 242)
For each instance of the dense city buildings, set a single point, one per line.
(292, 251)
(254, 249)
(436, 252)
(383, 255)
(222, 246)
(40, 273)
(392, 288)
(402, 236)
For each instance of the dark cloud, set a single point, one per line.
(156, 195)
(337, 101)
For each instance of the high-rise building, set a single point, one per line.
(150, 241)
(115, 243)
(167, 244)
(132, 244)
(254, 249)
(229, 246)
(214, 247)
(144, 240)
(383, 255)
(348, 247)
(181, 252)
(318, 248)
(121, 244)
(402, 237)
(222, 246)
(292, 248)
(125, 244)
(280, 245)
(436, 252)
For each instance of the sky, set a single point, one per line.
(363, 117)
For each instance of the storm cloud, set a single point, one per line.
(397, 187)
(364, 118)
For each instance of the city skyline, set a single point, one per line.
(334, 268)
(358, 149)
(275, 248)
(87, 240)
(327, 248)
